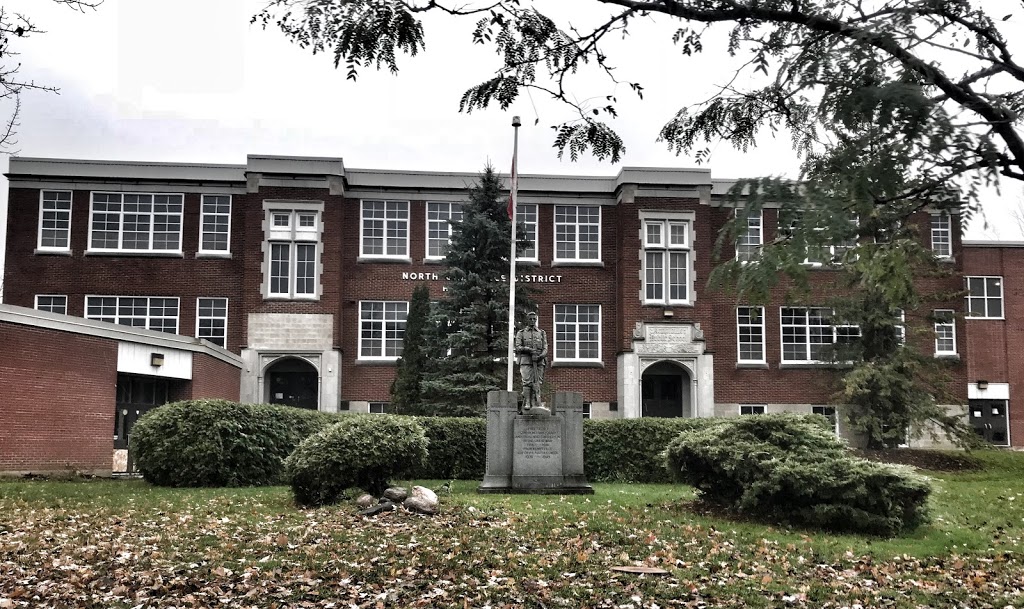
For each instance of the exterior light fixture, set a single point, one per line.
(982, 385)
(156, 359)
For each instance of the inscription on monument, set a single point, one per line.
(537, 447)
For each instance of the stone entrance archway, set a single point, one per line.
(665, 391)
(294, 382)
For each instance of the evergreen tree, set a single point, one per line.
(405, 389)
(472, 320)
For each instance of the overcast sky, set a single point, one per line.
(193, 81)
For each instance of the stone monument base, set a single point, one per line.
(538, 451)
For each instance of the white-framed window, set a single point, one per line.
(750, 335)
(53, 303)
(385, 229)
(379, 407)
(382, 329)
(809, 335)
(215, 224)
(586, 410)
(212, 320)
(942, 235)
(526, 215)
(577, 233)
(55, 220)
(945, 331)
(150, 312)
(749, 241)
(822, 254)
(666, 262)
(985, 297)
(440, 215)
(749, 409)
(135, 222)
(292, 250)
(829, 412)
(577, 332)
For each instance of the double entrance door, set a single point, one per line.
(988, 418)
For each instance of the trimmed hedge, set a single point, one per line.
(458, 448)
(791, 468)
(631, 450)
(220, 443)
(362, 451)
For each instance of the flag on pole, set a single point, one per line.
(512, 191)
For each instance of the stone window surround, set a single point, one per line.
(691, 259)
(292, 234)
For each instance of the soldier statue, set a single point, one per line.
(531, 347)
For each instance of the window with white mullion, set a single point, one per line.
(666, 262)
(945, 332)
(942, 235)
(135, 222)
(212, 320)
(750, 334)
(440, 217)
(985, 297)
(526, 216)
(577, 233)
(55, 220)
(748, 243)
(52, 303)
(215, 224)
(150, 312)
(382, 329)
(578, 332)
(292, 264)
(385, 229)
(809, 336)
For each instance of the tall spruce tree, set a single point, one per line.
(406, 396)
(472, 320)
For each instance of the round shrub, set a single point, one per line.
(362, 451)
(791, 468)
(219, 442)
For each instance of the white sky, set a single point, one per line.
(193, 81)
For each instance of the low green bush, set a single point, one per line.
(630, 450)
(458, 448)
(361, 451)
(219, 442)
(791, 468)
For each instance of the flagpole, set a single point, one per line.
(514, 188)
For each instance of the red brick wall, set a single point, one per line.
(213, 378)
(994, 346)
(57, 409)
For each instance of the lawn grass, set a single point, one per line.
(128, 544)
